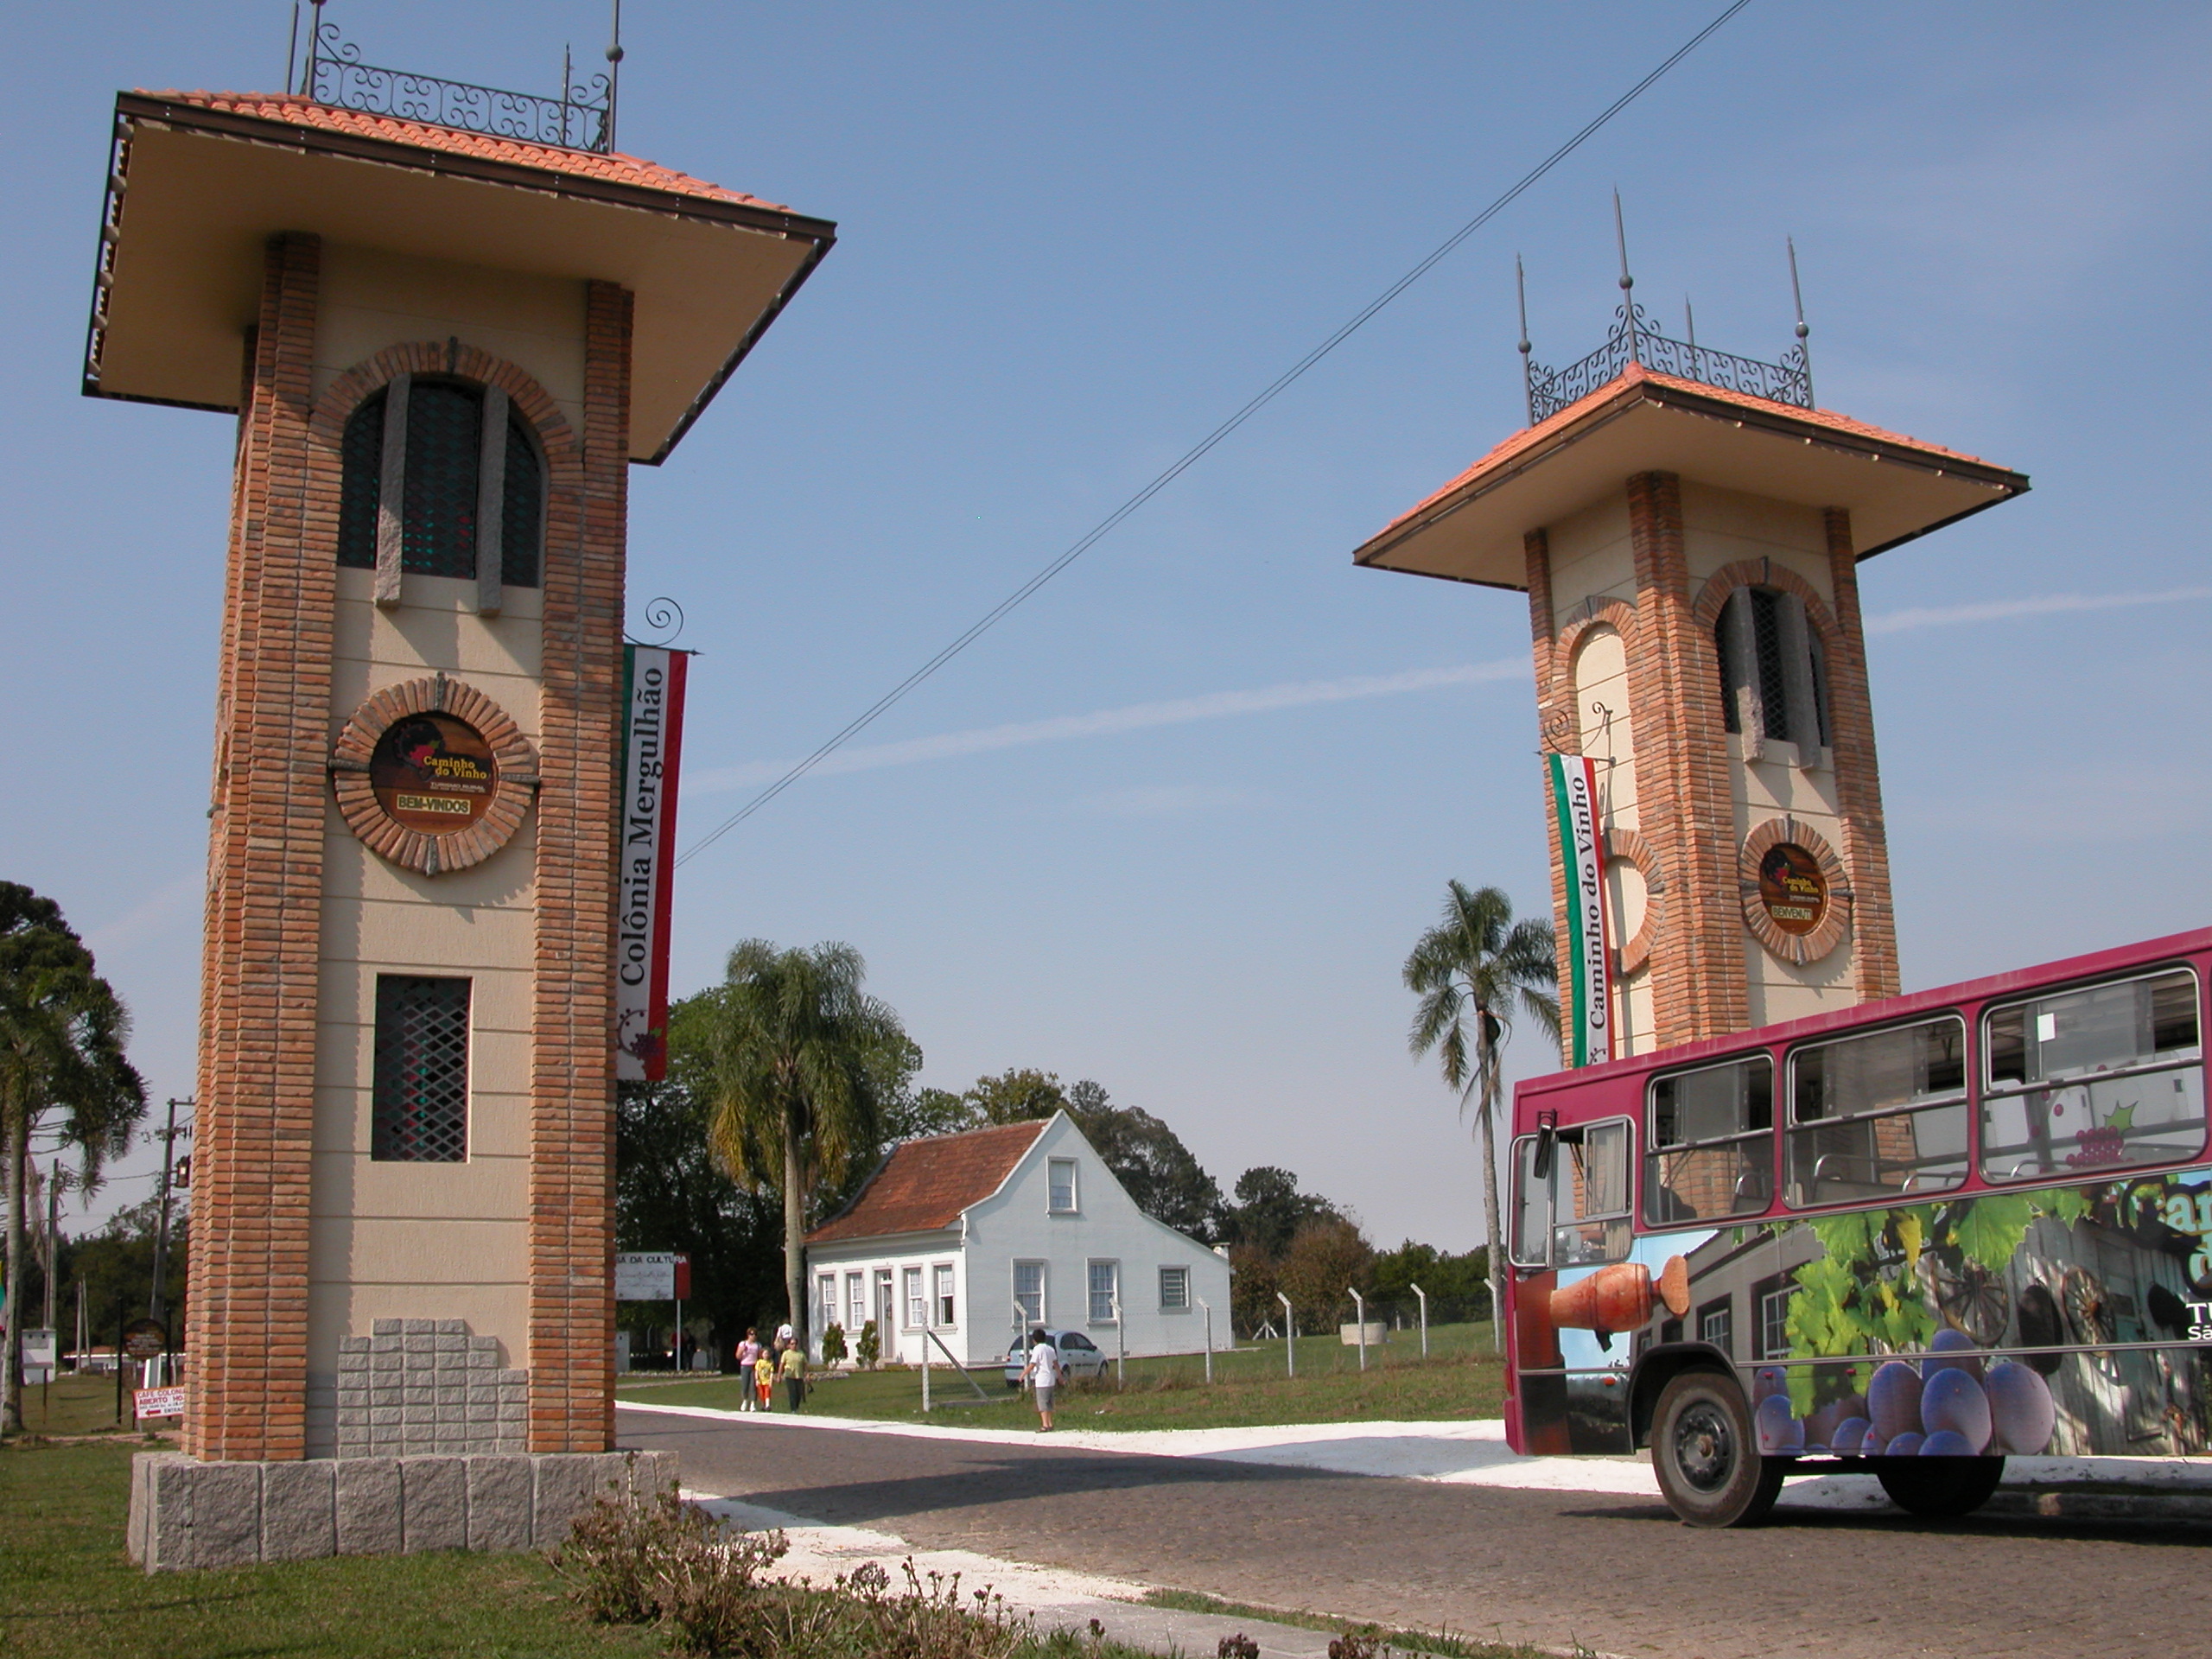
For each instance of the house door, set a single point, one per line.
(886, 1316)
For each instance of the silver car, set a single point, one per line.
(1080, 1357)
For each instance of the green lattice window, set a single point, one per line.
(438, 527)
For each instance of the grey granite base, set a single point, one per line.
(185, 1513)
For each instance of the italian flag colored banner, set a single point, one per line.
(1588, 1018)
(653, 725)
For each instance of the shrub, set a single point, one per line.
(621, 1548)
(870, 1347)
(833, 1343)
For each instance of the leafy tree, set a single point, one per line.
(62, 1032)
(1269, 1210)
(932, 1111)
(1150, 1160)
(1470, 972)
(669, 1193)
(1327, 1257)
(116, 1267)
(1020, 1096)
(1252, 1287)
(1458, 1286)
(799, 1062)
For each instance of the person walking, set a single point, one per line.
(1043, 1370)
(763, 1378)
(793, 1367)
(747, 1352)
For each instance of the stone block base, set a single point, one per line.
(185, 1513)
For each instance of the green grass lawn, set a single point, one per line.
(74, 1405)
(1461, 1378)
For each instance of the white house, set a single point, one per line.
(972, 1237)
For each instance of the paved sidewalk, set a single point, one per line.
(1474, 1453)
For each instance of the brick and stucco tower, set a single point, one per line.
(1687, 528)
(445, 349)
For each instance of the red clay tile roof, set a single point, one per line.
(924, 1185)
(1636, 374)
(616, 169)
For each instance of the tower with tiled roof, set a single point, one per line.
(445, 347)
(1687, 526)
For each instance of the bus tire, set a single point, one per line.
(1939, 1489)
(1707, 1457)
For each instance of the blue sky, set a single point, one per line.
(1174, 824)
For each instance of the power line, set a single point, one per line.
(1191, 456)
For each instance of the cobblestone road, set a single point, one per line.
(1618, 1574)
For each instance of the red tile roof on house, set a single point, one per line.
(299, 111)
(924, 1185)
(1636, 375)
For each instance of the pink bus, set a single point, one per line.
(1909, 1239)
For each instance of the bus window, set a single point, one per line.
(1878, 1115)
(2109, 1076)
(1577, 1215)
(1712, 1145)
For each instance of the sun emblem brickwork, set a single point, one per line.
(1827, 928)
(515, 783)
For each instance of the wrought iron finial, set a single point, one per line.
(292, 49)
(613, 73)
(664, 617)
(1521, 294)
(1689, 322)
(336, 75)
(1797, 298)
(1627, 282)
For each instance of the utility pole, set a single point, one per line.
(52, 1220)
(157, 1306)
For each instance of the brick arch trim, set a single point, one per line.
(1615, 614)
(1798, 949)
(1764, 573)
(1628, 847)
(555, 437)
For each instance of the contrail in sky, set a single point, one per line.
(1107, 722)
(1302, 694)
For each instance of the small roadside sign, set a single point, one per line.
(38, 1356)
(651, 1276)
(145, 1340)
(157, 1402)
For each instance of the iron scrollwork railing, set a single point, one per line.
(582, 117)
(1634, 339)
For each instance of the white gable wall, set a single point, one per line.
(1017, 1224)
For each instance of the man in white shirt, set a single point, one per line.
(1043, 1372)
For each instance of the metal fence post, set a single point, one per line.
(1208, 1312)
(1423, 1294)
(1290, 1333)
(1359, 1312)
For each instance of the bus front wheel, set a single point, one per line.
(1707, 1457)
(1939, 1489)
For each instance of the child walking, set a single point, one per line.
(763, 1378)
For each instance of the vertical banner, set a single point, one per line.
(652, 721)
(1588, 1018)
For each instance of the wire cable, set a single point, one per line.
(1190, 457)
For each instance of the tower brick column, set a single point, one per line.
(1556, 733)
(1857, 777)
(248, 1280)
(1700, 985)
(572, 1142)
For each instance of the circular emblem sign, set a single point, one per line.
(1792, 891)
(433, 773)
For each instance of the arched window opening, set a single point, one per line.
(1773, 671)
(441, 488)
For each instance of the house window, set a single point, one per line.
(1773, 674)
(1029, 1292)
(855, 1304)
(1174, 1290)
(918, 1310)
(419, 1090)
(945, 1309)
(1774, 1324)
(1716, 1324)
(825, 1302)
(444, 505)
(1060, 1183)
(1105, 1291)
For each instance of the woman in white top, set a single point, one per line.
(1043, 1372)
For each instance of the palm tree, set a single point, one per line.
(798, 1057)
(62, 1032)
(1469, 971)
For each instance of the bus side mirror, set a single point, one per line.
(1546, 1145)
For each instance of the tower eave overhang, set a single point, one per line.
(205, 179)
(1895, 487)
